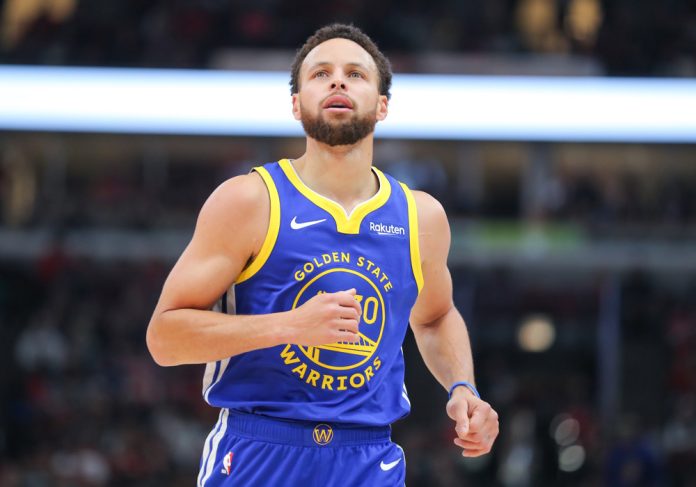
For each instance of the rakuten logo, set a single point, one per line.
(383, 229)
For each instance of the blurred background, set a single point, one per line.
(574, 263)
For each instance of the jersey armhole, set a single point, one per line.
(273, 227)
(413, 237)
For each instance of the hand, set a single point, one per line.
(476, 422)
(326, 318)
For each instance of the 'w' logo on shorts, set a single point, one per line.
(322, 434)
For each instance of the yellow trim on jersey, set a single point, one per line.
(413, 236)
(271, 233)
(344, 223)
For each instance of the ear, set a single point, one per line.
(382, 108)
(296, 106)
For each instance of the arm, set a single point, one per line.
(442, 336)
(229, 232)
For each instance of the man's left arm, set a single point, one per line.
(442, 336)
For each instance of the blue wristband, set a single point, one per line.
(466, 384)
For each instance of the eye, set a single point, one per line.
(356, 74)
(321, 74)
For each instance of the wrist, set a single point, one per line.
(282, 333)
(463, 387)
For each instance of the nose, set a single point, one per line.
(338, 82)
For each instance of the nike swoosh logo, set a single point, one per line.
(388, 466)
(296, 226)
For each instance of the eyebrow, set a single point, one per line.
(325, 63)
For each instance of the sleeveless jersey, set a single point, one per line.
(312, 246)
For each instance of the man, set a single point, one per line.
(297, 288)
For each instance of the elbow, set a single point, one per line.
(434, 321)
(157, 344)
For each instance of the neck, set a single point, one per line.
(341, 173)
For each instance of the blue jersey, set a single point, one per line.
(312, 246)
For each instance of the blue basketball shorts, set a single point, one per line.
(252, 450)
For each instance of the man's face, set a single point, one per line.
(339, 101)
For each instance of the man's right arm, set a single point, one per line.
(229, 232)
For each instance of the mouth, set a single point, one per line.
(338, 104)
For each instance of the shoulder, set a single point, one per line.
(432, 218)
(237, 196)
(238, 207)
(244, 190)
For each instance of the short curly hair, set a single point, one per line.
(352, 33)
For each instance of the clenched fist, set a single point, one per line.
(476, 422)
(326, 318)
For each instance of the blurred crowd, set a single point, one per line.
(83, 404)
(634, 38)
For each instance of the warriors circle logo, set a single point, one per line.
(322, 434)
(344, 355)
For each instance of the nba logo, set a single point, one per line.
(227, 463)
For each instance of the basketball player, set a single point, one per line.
(297, 289)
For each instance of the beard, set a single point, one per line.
(346, 132)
